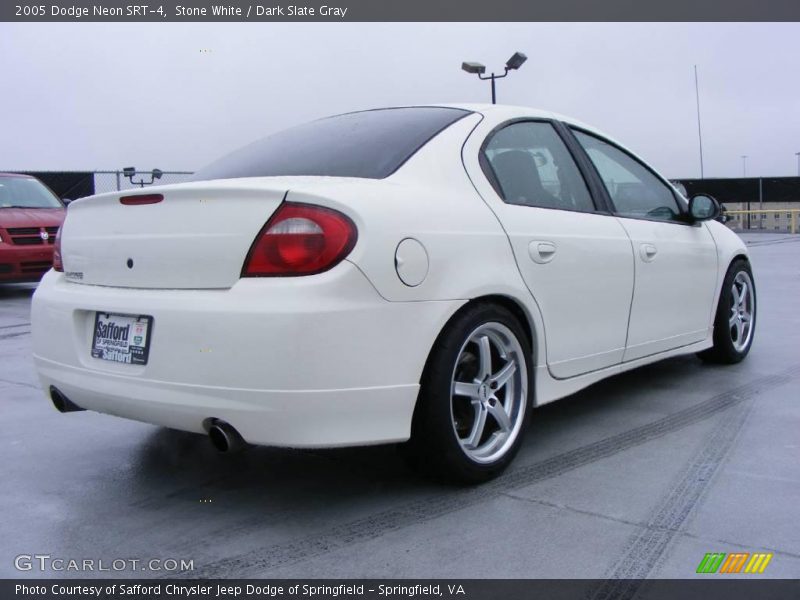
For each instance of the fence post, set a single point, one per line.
(118, 181)
(794, 221)
(761, 203)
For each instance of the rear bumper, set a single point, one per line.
(296, 418)
(24, 263)
(307, 362)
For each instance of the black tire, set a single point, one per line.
(726, 350)
(435, 445)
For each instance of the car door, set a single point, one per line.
(676, 260)
(575, 259)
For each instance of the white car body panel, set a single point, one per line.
(675, 285)
(236, 354)
(213, 225)
(336, 358)
(463, 242)
(589, 273)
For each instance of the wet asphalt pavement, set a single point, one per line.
(638, 476)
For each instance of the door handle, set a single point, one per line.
(541, 252)
(648, 252)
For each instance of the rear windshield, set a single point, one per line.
(25, 192)
(371, 144)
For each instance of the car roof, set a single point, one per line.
(21, 175)
(510, 111)
(482, 107)
(499, 113)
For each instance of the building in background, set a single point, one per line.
(767, 194)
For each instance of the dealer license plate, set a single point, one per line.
(122, 338)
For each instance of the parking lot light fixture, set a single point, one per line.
(473, 67)
(512, 64)
(516, 61)
(130, 172)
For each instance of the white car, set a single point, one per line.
(423, 273)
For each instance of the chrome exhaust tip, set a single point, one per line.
(61, 402)
(224, 437)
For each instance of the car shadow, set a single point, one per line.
(16, 290)
(174, 490)
(173, 464)
(188, 465)
(616, 391)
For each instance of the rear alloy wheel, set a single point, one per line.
(473, 402)
(735, 321)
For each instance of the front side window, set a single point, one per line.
(532, 167)
(635, 191)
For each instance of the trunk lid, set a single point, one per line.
(197, 237)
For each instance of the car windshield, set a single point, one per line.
(26, 192)
(371, 144)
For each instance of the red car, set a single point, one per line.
(30, 215)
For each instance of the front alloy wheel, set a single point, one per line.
(742, 310)
(735, 319)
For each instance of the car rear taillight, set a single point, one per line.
(58, 264)
(300, 239)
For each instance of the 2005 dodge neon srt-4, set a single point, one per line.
(424, 273)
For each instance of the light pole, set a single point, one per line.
(797, 154)
(512, 64)
(744, 165)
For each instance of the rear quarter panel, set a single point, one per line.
(431, 200)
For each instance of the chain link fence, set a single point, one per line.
(71, 185)
(113, 181)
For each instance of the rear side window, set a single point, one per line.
(371, 144)
(532, 167)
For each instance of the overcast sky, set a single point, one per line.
(176, 96)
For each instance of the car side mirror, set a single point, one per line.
(703, 207)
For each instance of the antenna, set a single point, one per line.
(699, 130)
